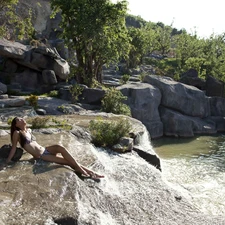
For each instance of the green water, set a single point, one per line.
(196, 167)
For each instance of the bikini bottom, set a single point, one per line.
(46, 152)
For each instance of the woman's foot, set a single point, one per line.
(95, 175)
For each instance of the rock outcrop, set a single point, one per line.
(171, 108)
(144, 100)
(31, 69)
(132, 192)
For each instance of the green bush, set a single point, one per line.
(75, 91)
(53, 93)
(33, 101)
(142, 76)
(38, 122)
(113, 102)
(108, 133)
(124, 79)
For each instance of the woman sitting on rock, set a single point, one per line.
(20, 133)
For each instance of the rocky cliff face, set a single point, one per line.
(171, 108)
(41, 10)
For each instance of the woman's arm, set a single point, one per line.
(15, 139)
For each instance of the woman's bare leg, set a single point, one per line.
(67, 159)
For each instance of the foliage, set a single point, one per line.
(163, 35)
(135, 21)
(96, 31)
(9, 120)
(138, 46)
(53, 93)
(13, 25)
(76, 90)
(108, 133)
(61, 123)
(142, 76)
(113, 102)
(124, 79)
(33, 101)
(38, 122)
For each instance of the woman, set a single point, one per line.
(20, 133)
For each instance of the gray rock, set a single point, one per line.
(5, 150)
(92, 96)
(153, 159)
(3, 88)
(12, 49)
(179, 125)
(214, 87)
(217, 106)
(17, 102)
(125, 145)
(24, 58)
(10, 66)
(3, 133)
(65, 93)
(28, 80)
(218, 121)
(49, 77)
(61, 68)
(5, 96)
(186, 99)
(41, 112)
(144, 100)
(191, 78)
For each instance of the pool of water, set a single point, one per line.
(196, 167)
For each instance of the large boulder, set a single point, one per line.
(21, 58)
(92, 96)
(3, 88)
(183, 98)
(217, 106)
(179, 125)
(12, 49)
(5, 150)
(191, 78)
(214, 87)
(143, 100)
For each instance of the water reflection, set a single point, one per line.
(196, 167)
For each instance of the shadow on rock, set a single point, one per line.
(150, 158)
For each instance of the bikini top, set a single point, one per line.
(25, 140)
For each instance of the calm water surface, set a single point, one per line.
(197, 168)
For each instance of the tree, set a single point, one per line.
(214, 55)
(187, 46)
(164, 38)
(96, 31)
(138, 48)
(151, 38)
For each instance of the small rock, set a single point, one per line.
(41, 112)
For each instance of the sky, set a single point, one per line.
(203, 16)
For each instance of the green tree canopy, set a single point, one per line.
(96, 31)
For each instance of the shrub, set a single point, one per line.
(108, 133)
(75, 91)
(113, 102)
(142, 76)
(53, 93)
(33, 101)
(124, 79)
(38, 122)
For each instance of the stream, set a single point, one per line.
(196, 167)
